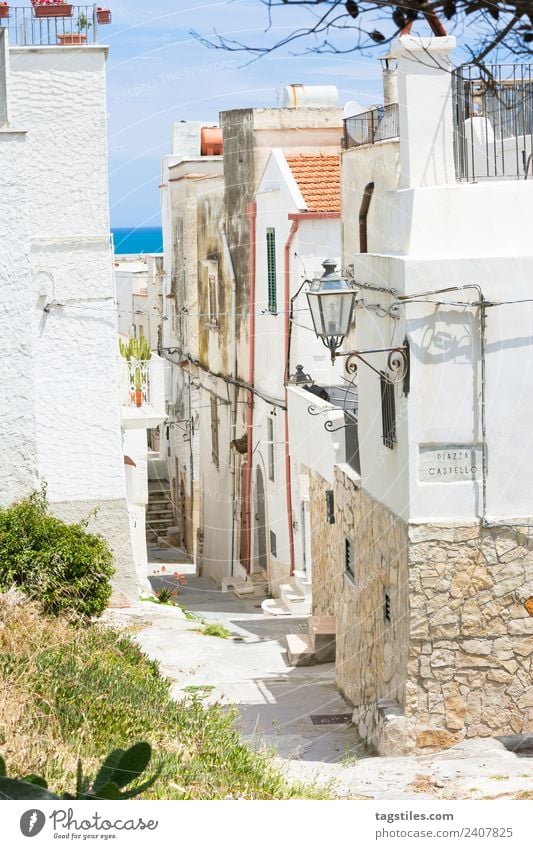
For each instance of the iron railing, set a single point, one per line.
(378, 124)
(69, 25)
(493, 109)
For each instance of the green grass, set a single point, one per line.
(69, 691)
(214, 629)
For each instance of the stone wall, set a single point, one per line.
(371, 660)
(471, 633)
(326, 556)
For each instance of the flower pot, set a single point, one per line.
(138, 397)
(53, 10)
(71, 38)
(4, 10)
(103, 16)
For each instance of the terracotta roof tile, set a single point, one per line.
(318, 177)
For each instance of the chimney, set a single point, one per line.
(425, 110)
(390, 80)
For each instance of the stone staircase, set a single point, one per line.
(255, 585)
(294, 598)
(317, 646)
(159, 513)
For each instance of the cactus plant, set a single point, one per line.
(136, 352)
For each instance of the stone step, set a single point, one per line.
(322, 633)
(274, 607)
(302, 583)
(160, 514)
(296, 602)
(299, 650)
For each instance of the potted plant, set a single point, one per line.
(45, 9)
(103, 16)
(4, 10)
(80, 37)
(137, 353)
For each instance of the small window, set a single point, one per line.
(212, 285)
(387, 610)
(330, 507)
(349, 558)
(273, 544)
(271, 269)
(271, 453)
(214, 432)
(388, 412)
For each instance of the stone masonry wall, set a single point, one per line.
(471, 634)
(327, 557)
(371, 660)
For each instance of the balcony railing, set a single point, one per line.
(493, 122)
(53, 24)
(135, 383)
(378, 124)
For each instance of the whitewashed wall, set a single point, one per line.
(433, 234)
(58, 96)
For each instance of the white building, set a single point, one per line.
(60, 416)
(297, 227)
(430, 553)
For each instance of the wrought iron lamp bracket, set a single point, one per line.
(397, 362)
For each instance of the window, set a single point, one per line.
(214, 432)
(271, 269)
(349, 558)
(3, 78)
(330, 507)
(273, 544)
(212, 286)
(271, 455)
(388, 412)
(387, 610)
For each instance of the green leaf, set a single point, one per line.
(2, 766)
(35, 779)
(12, 788)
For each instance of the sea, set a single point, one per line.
(137, 240)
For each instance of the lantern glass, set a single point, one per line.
(331, 302)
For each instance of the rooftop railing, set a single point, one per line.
(378, 124)
(53, 24)
(493, 122)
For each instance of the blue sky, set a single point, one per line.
(158, 74)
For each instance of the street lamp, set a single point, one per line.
(331, 302)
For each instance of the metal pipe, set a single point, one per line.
(363, 214)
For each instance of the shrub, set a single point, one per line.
(63, 566)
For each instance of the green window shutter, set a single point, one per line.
(271, 269)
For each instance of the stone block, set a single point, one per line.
(435, 739)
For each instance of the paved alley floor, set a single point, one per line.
(294, 712)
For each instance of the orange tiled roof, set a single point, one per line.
(318, 176)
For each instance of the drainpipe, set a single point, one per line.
(233, 403)
(252, 213)
(295, 217)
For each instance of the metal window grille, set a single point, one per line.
(212, 281)
(271, 458)
(214, 432)
(273, 544)
(349, 558)
(388, 412)
(330, 506)
(271, 269)
(387, 609)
